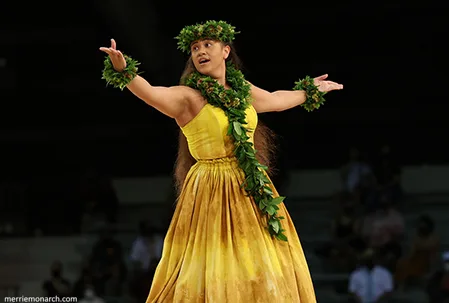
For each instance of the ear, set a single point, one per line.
(226, 51)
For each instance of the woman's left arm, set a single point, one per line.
(281, 100)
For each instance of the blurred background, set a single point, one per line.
(86, 191)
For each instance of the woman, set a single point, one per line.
(226, 241)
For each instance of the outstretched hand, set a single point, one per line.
(116, 56)
(325, 85)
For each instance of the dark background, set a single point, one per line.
(58, 119)
(57, 116)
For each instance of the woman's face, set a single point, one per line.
(209, 56)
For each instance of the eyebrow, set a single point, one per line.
(203, 40)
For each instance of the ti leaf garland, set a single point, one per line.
(120, 79)
(234, 102)
(314, 98)
(215, 30)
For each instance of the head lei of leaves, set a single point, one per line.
(214, 30)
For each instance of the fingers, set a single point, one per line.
(107, 50)
(332, 85)
(322, 77)
(111, 52)
(335, 85)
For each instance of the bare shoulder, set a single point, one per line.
(171, 101)
(195, 103)
(192, 96)
(185, 89)
(182, 90)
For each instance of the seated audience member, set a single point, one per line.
(57, 285)
(422, 255)
(91, 297)
(388, 174)
(345, 242)
(438, 284)
(356, 173)
(108, 264)
(84, 282)
(145, 255)
(370, 282)
(383, 230)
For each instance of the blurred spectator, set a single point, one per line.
(388, 174)
(91, 297)
(356, 174)
(145, 255)
(370, 282)
(147, 246)
(56, 285)
(99, 199)
(85, 282)
(438, 285)
(108, 264)
(345, 243)
(422, 255)
(383, 230)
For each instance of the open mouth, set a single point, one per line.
(204, 61)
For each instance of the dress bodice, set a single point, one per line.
(207, 135)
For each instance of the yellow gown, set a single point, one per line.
(217, 248)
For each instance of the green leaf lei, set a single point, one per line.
(234, 102)
(120, 79)
(215, 30)
(314, 98)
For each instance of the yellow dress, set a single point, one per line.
(217, 248)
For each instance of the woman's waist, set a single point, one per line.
(228, 160)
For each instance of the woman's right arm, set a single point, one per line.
(171, 101)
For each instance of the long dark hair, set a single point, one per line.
(264, 137)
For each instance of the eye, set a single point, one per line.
(195, 48)
(208, 44)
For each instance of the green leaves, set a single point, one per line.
(314, 98)
(216, 30)
(120, 79)
(275, 225)
(237, 128)
(278, 200)
(256, 182)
